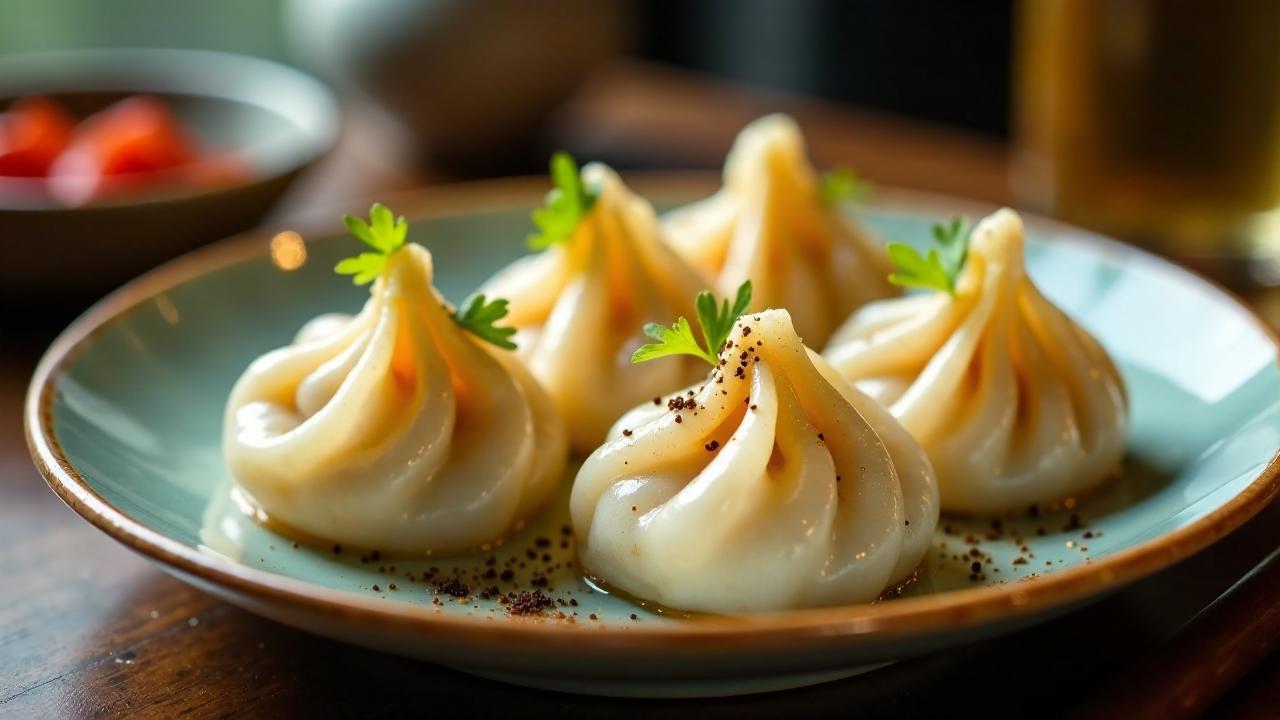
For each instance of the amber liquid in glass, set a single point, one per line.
(1157, 121)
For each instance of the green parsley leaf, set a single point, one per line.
(675, 340)
(937, 270)
(478, 318)
(384, 232)
(566, 204)
(716, 323)
(842, 184)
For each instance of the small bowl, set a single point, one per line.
(276, 120)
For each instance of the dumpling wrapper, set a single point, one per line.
(769, 224)
(394, 429)
(781, 487)
(580, 308)
(1015, 403)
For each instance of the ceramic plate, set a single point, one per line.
(125, 411)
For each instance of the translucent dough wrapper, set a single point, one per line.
(773, 485)
(769, 224)
(580, 307)
(1015, 403)
(394, 429)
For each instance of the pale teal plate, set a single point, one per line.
(125, 411)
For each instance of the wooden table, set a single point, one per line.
(89, 629)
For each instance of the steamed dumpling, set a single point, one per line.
(1014, 402)
(770, 225)
(580, 306)
(772, 485)
(394, 429)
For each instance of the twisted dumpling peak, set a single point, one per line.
(580, 305)
(772, 485)
(770, 224)
(394, 429)
(1015, 403)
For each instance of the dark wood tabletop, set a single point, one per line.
(89, 629)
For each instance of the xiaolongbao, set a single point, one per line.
(394, 429)
(772, 485)
(771, 225)
(579, 306)
(1015, 403)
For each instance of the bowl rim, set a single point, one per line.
(307, 104)
(902, 618)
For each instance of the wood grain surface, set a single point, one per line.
(88, 629)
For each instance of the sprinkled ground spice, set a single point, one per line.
(679, 403)
(712, 446)
(529, 602)
(337, 549)
(657, 401)
(376, 588)
(507, 575)
(633, 616)
(626, 432)
(454, 587)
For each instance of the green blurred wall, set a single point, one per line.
(251, 27)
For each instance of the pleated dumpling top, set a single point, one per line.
(580, 304)
(1015, 403)
(394, 429)
(772, 485)
(770, 224)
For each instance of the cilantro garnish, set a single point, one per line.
(679, 339)
(566, 205)
(384, 233)
(478, 317)
(939, 269)
(842, 184)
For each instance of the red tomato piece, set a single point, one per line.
(33, 133)
(124, 146)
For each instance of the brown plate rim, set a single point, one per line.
(900, 619)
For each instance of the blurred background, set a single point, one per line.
(1135, 117)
